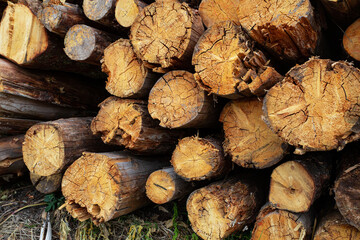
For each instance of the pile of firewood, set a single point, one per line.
(234, 103)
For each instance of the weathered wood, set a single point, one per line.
(248, 141)
(178, 102)
(196, 159)
(165, 185)
(102, 11)
(11, 160)
(47, 184)
(165, 33)
(50, 147)
(34, 5)
(103, 186)
(228, 64)
(13, 126)
(351, 39)
(343, 12)
(315, 108)
(217, 210)
(128, 77)
(126, 11)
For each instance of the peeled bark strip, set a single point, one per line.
(11, 160)
(344, 12)
(315, 108)
(351, 39)
(165, 185)
(217, 210)
(248, 140)
(287, 29)
(86, 44)
(103, 186)
(101, 11)
(165, 33)
(47, 184)
(51, 146)
(196, 159)
(295, 185)
(128, 77)
(178, 102)
(126, 11)
(282, 225)
(13, 126)
(126, 122)
(333, 226)
(228, 64)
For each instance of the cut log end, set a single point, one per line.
(351, 40)
(99, 9)
(127, 10)
(48, 184)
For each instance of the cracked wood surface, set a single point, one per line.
(351, 39)
(126, 11)
(48, 184)
(11, 160)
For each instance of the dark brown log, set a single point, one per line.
(11, 160)
(34, 5)
(351, 39)
(126, 11)
(13, 126)
(343, 12)
(52, 146)
(103, 186)
(47, 184)
(102, 11)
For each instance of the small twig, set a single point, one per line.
(20, 209)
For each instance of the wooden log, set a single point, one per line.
(165, 33)
(47, 184)
(248, 141)
(196, 159)
(178, 102)
(228, 64)
(103, 12)
(333, 226)
(128, 77)
(278, 224)
(103, 186)
(35, 6)
(86, 44)
(298, 108)
(126, 11)
(343, 12)
(11, 160)
(13, 126)
(290, 31)
(351, 39)
(221, 208)
(51, 146)
(126, 122)
(165, 185)
(296, 184)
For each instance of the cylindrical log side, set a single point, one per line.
(47, 184)
(126, 11)
(34, 5)
(343, 12)
(351, 39)
(14, 126)
(11, 160)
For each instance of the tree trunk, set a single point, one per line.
(227, 49)
(224, 207)
(351, 39)
(315, 108)
(13, 126)
(165, 33)
(126, 122)
(196, 159)
(51, 146)
(35, 6)
(343, 12)
(126, 11)
(178, 102)
(11, 160)
(110, 185)
(128, 77)
(47, 184)
(165, 185)
(248, 140)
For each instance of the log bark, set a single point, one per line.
(128, 77)
(288, 30)
(178, 102)
(351, 39)
(11, 160)
(35, 6)
(165, 33)
(52, 146)
(221, 208)
(110, 185)
(14, 126)
(196, 159)
(126, 11)
(296, 184)
(126, 122)
(86, 44)
(248, 141)
(315, 107)
(165, 185)
(278, 224)
(47, 184)
(333, 226)
(228, 64)
(103, 12)
(343, 12)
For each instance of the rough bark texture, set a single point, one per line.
(128, 77)
(165, 185)
(223, 207)
(164, 35)
(248, 140)
(103, 186)
(296, 184)
(126, 11)
(287, 29)
(51, 146)
(11, 160)
(343, 12)
(198, 158)
(102, 11)
(228, 64)
(316, 106)
(127, 123)
(13, 126)
(178, 102)
(351, 39)
(47, 184)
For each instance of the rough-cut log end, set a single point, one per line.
(126, 11)
(351, 40)
(315, 108)
(248, 140)
(47, 184)
(99, 10)
(215, 11)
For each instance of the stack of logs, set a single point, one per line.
(232, 102)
